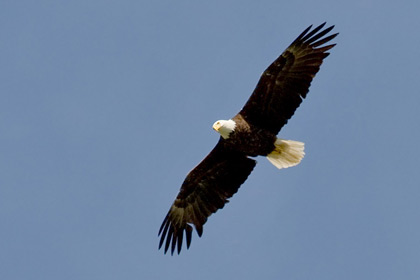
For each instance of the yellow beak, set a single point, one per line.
(216, 126)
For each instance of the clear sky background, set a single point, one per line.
(105, 106)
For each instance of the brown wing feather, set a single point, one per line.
(205, 190)
(286, 81)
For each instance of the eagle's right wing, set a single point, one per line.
(205, 190)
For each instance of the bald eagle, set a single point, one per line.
(252, 132)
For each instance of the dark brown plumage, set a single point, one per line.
(286, 81)
(279, 92)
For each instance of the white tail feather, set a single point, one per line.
(287, 153)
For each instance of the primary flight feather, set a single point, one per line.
(252, 132)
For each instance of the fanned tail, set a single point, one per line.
(287, 153)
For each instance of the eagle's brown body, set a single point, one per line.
(249, 139)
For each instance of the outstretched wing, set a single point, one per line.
(286, 81)
(205, 190)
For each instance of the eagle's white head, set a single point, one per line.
(224, 127)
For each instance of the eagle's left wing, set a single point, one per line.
(286, 81)
(205, 190)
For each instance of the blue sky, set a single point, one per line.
(106, 106)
